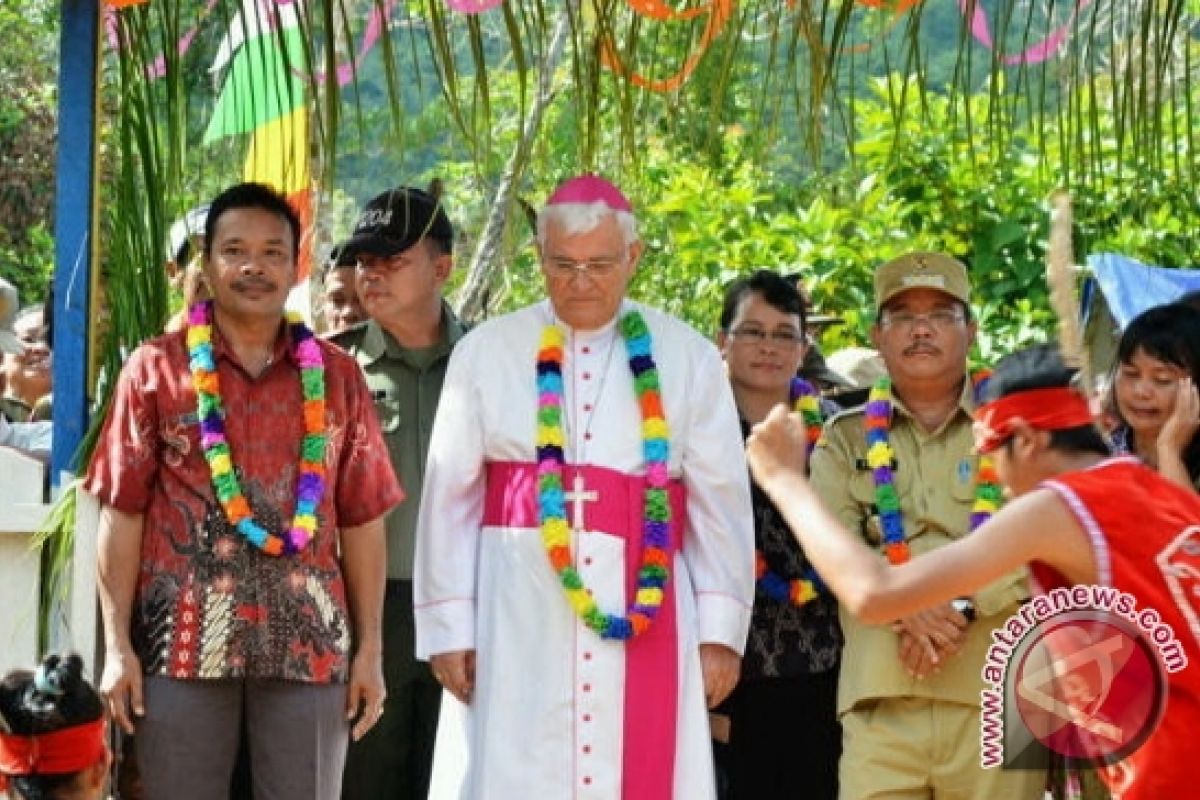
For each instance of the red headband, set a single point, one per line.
(60, 753)
(1044, 409)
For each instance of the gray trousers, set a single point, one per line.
(394, 760)
(188, 741)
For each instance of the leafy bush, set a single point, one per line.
(704, 222)
(27, 142)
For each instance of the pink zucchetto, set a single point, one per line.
(590, 189)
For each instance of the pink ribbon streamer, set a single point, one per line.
(472, 6)
(158, 68)
(972, 11)
(974, 15)
(345, 72)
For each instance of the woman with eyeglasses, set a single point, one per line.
(782, 719)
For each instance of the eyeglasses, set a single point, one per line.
(758, 336)
(942, 319)
(592, 267)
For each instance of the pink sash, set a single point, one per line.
(651, 660)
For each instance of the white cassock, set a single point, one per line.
(549, 717)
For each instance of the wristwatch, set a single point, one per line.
(964, 606)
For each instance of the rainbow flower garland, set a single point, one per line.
(552, 517)
(310, 482)
(881, 458)
(798, 591)
(807, 404)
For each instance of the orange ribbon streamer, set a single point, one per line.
(659, 10)
(718, 11)
(899, 6)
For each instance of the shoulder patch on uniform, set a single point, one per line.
(845, 414)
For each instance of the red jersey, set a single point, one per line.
(1145, 533)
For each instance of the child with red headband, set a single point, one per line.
(1078, 517)
(52, 733)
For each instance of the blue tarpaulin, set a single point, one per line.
(1130, 287)
(1119, 289)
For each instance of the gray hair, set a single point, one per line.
(31, 311)
(577, 218)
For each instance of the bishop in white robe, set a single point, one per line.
(552, 710)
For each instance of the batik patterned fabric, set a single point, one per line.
(787, 640)
(208, 604)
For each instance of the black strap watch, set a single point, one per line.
(964, 606)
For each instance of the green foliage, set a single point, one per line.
(980, 203)
(27, 260)
(706, 220)
(706, 224)
(27, 141)
(56, 539)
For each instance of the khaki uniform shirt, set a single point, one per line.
(935, 480)
(405, 385)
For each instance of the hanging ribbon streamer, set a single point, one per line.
(375, 27)
(472, 6)
(974, 16)
(159, 68)
(718, 11)
(976, 19)
(899, 6)
(659, 10)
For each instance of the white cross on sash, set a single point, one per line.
(579, 495)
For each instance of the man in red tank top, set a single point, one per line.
(1078, 517)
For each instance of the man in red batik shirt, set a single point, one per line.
(241, 560)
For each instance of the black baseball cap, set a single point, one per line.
(395, 221)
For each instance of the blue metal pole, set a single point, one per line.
(73, 226)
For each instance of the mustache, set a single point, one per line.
(254, 283)
(922, 348)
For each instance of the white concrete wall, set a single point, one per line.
(21, 514)
(83, 614)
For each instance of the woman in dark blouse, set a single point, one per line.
(784, 737)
